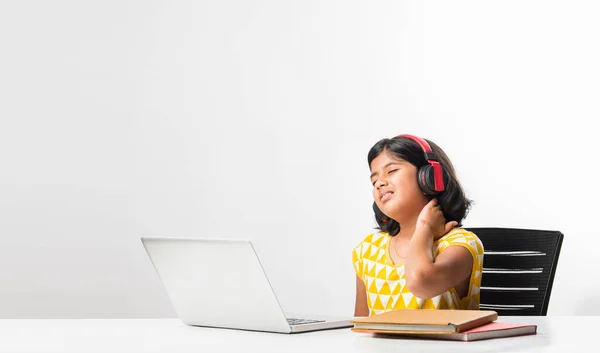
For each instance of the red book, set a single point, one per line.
(487, 331)
(495, 330)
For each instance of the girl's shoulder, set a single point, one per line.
(459, 232)
(461, 235)
(375, 239)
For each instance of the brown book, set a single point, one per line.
(424, 320)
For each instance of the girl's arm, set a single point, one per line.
(360, 306)
(425, 277)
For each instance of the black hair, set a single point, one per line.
(452, 201)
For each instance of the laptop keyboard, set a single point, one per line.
(302, 321)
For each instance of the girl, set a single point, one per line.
(420, 259)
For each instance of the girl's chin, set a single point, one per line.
(389, 213)
(389, 206)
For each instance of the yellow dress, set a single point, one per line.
(386, 282)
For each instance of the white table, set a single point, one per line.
(555, 334)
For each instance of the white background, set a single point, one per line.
(253, 119)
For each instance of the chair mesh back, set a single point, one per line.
(518, 269)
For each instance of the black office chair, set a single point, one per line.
(518, 269)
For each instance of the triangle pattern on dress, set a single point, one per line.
(379, 283)
(436, 301)
(364, 249)
(406, 297)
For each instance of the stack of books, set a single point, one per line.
(458, 325)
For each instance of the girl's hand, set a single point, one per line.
(432, 219)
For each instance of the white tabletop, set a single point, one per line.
(555, 334)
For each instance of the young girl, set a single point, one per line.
(420, 259)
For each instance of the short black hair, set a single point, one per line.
(452, 201)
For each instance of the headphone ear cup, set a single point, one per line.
(426, 181)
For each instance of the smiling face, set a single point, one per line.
(395, 188)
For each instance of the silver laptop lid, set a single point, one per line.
(216, 283)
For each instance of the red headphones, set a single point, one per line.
(430, 176)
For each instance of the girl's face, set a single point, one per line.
(395, 188)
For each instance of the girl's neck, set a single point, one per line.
(407, 229)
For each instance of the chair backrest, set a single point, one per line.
(518, 269)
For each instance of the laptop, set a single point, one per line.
(221, 283)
